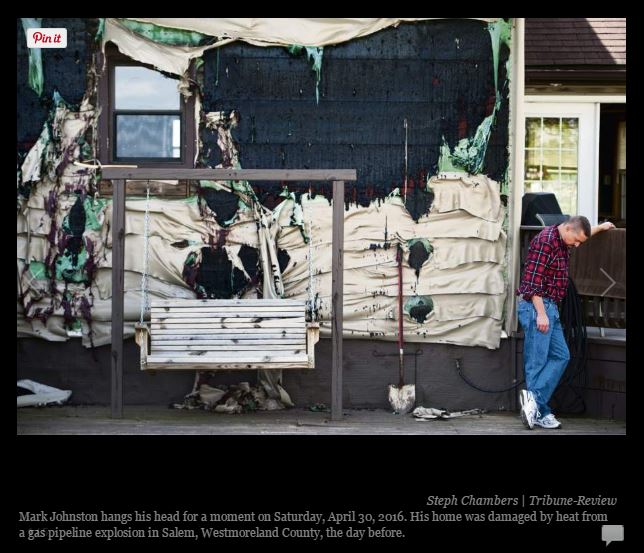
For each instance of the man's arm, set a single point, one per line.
(599, 228)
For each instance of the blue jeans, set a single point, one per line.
(545, 354)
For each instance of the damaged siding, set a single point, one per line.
(260, 111)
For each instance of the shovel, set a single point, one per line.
(403, 396)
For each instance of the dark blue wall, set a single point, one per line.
(437, 74)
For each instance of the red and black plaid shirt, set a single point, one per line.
(545, 272)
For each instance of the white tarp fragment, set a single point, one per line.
(463, 276)
(432, 413)
(41, 394)
(268, 31)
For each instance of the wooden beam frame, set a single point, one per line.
(120, 174)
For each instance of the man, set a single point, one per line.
(543, 287)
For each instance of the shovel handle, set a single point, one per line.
(399, 258)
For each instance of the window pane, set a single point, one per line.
(144, 89)
(569, 132)
(568, 192)
(533, 132)
(551, 161)
(147, 136)
(550, 157)
(532, 186)
(532, 165)
(551, 132)
(550, 172)
(569, 159)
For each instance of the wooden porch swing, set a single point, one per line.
(226, 334)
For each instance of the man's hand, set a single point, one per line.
(543, 323)
(600, 228)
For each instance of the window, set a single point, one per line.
(551, 158)
(561, 154)
(144, 119)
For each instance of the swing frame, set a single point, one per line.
(119, 176)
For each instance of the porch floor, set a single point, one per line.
(156, 420)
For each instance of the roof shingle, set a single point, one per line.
(575, 41)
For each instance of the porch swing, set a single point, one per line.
(207, 334)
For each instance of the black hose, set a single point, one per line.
(567, 397)
(470, 383)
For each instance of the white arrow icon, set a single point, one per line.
(611, 279)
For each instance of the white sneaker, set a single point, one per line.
(549, 421)
(529, 410)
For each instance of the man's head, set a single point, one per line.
(575, 230)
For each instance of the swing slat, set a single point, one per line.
(227, 334)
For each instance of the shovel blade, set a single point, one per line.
(402, 399)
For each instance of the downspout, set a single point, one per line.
(516, 187)
(516, 159)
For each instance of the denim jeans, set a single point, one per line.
(545, 354)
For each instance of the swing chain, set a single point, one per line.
(311, 300)
(146, 255)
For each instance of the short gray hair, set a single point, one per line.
(579, 222)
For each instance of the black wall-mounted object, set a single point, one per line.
(543, 203)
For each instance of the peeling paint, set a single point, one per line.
(469, 153)
(222, 203)
(250, 260)
(166, 35)
(230, 265)
(314, 55)
(500, 33)
(419, 307)
(38, 270)
(213, 275)
(36, 77)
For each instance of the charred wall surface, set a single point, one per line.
(64, 69)
(439, 75)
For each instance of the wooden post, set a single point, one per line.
(337, 297)
(119, 175)
(118, 264)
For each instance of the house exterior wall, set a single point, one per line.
(438, 75)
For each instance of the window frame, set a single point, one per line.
(107, 118)
(588, 147)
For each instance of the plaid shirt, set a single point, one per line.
(545, 272)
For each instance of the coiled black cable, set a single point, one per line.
(567, 397)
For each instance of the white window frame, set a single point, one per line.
(587, 108)
(588, 151)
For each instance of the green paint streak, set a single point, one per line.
(92, 210)
(166, 35)
(101, 29)
(419, 301)
(500, 32)
(505, 182)
(36, 77)
(70, 272)
(238, 186)
(314, 54)
(428, 247)
(469, 154)
(38, 270)
(445, 162)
